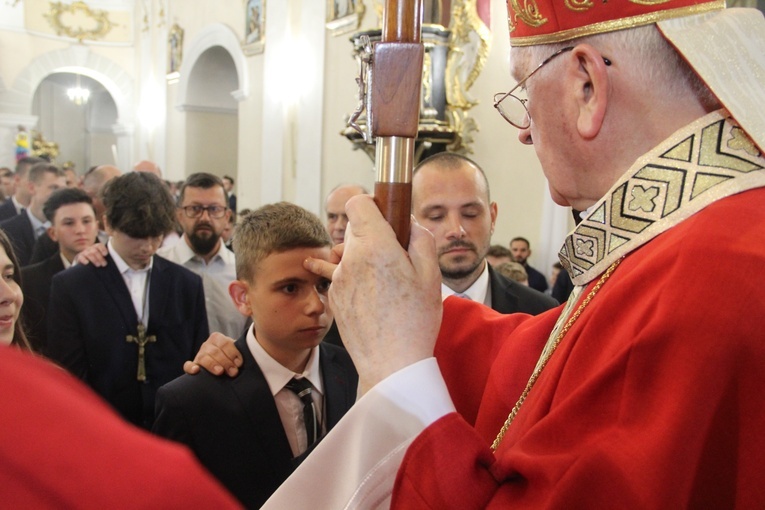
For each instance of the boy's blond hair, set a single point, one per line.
(274, 228)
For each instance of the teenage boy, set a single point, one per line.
(126, 328)
(73, 228)
(253, 430)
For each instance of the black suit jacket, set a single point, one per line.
(7, 210)
(43, 248)
(90, 315)
(20, 232)
(508, 296)
(537, 280)
(35, 283)
(233, 425)
(232, 202)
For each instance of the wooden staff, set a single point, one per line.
(395, 110)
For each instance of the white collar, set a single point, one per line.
(478, 291)
(276, 374)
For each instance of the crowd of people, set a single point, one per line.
(443, 384)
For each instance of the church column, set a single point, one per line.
(124, 146)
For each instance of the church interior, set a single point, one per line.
(261, 90)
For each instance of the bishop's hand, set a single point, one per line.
(387, 302)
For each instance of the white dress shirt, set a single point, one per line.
(480, 291)
(222, 315)
(288, 404)
(137, 281)
(371, 440)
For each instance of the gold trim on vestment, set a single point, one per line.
(617, 24)
(710, 159)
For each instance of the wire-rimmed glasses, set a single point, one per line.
(515, 111)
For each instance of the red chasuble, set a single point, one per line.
(64, 447)
(654, 398)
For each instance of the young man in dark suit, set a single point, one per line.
(15, 203)
(252, 431)
(73, 228)
(450, 197)
(126, 328)
(25, 228)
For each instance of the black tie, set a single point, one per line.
(302, 388)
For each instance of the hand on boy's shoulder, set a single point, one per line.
(95, 254)
(216, 355)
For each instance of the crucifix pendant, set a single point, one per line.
(141, 339)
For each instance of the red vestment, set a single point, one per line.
(63, 447)
(652, 400)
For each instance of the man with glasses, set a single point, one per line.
(644, 391)
(203, 215)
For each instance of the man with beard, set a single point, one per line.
(203, 215)
(450, 198)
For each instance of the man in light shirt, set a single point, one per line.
(203, 214)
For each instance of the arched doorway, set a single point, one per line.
(84, 132)
(212, 114)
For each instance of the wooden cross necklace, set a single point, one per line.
(141, 338)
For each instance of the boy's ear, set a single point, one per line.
(52, 233)
(238, 292)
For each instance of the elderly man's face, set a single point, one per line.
(337, 220)
(454, 205)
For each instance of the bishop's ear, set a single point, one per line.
(592, 87)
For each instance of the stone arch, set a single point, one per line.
(76, 59)
(213, 35)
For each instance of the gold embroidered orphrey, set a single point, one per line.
(704, 162)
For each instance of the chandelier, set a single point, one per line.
(78, 95)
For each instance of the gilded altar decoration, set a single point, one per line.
(78, 21)
(454, 57)
(42, 148)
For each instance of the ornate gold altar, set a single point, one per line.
(457, 45)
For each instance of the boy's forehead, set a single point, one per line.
(292, 258)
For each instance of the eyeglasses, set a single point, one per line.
(516, 112)
(195, 211)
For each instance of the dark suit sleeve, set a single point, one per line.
(171, 420)
(65, 337)
(201, 327)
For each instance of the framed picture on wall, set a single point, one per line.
(255, 26)
(344, 16)
(174, 49)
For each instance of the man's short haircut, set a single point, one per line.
(497, 250)
(24, 164)
(528, 244)
(65, 196)
(201, 180)
(139, 205)
(38, 171)
(229, 178)
(274, 228)
(513, 271)
(452, 161)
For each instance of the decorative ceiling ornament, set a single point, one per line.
(78, 21)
